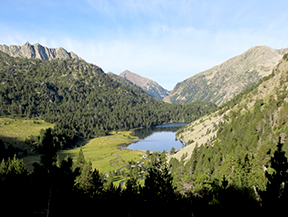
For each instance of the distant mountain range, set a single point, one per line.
(218, 84)
(149, 86)
(221, 83)
(37, 51)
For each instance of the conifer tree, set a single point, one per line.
(49, 157)
(89, 181)
(158, 183)
(275, 197)
(80, 161)
(158, 192)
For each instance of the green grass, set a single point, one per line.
(15, 131)
(101, 152)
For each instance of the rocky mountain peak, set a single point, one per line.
(37, 51)
(134, 78)
(27, 44)
(151, 87)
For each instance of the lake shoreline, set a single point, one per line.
(127, 144)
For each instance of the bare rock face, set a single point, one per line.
(221, 83)
(125, 81)
(149, 86)
(37, 51)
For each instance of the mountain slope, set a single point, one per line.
(221, 83)
(239, 140)
(151, 87)
(37, 51)
(271, 89)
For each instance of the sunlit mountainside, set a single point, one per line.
(221, 83)
(242, 134)
(149, 86)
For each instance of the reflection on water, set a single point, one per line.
(145, 132)
(157, 138)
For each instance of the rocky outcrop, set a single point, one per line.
(221, 83)
(149, 86)
(37, 51)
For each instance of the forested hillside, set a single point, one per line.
(81, 99)
(241, 141)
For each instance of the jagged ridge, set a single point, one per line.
(37, 51)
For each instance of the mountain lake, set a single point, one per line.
(159, 138)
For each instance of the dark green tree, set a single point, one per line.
(158, 191)
(89, 180)
(48, 148)
(275, 197)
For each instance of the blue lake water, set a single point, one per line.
(158, 138)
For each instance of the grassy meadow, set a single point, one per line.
(103, 152)
(15, 131)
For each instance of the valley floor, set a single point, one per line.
(103, 152)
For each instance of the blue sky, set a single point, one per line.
(166, 41)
